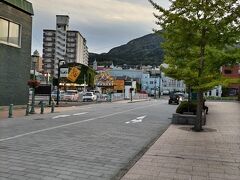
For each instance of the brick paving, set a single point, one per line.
(181, 154)
(93, 146)
(20, 110)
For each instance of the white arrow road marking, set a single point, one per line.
(78, 114)
(137, 120)
(60, 116)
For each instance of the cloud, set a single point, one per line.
(104, 23)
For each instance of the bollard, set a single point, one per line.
(52, 107)
(42, 107)
(27, 109)
(10, 111)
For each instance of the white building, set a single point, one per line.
(152, 80)
(63, 45)
(216, 92)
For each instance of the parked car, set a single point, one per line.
(71, 95)
(96, 92)
(174, 98)
(89, 96)
(181, 95)
(54, 95)
(165, 92)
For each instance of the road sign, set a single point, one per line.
(73, 74)
(63, 72)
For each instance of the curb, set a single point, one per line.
(138, 156)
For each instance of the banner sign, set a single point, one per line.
(73, 74)
(63, 72)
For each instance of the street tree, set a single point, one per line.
(200, 36)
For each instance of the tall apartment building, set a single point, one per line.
(63, 45)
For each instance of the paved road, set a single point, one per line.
(90, 142)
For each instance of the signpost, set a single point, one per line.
(73, 74)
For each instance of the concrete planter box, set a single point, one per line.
(186, 119)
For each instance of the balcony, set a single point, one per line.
(71, 40)
(47, 61)
(49, 56)
(48, 50)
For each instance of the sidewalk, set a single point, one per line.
(182, 154)
(20, 111)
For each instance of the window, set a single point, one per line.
(3, 30)
(9, 32)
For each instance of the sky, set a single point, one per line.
(104, 23)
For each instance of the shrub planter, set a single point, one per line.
(186, 119)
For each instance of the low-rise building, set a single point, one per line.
(232, 72)
(15, 50)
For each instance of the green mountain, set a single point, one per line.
(145, 50)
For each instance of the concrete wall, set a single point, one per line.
(14, 61)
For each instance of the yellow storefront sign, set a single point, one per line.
(119, 85)
(73, 74)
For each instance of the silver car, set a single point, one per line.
(54, 95)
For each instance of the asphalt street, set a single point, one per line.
(97, 141)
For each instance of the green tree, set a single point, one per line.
(200, 36)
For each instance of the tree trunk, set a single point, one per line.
(198, 124)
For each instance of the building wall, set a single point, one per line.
(15, 62)
(216, 92)
(136, 74)
(232, 72)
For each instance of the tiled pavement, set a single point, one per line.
(20, 111)
(179, 153)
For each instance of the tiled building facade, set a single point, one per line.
(15, 50)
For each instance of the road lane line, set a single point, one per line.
(60, 116)
(69, 124)
(78, 114)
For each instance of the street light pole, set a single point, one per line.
(34, 60)
(159, 87)
(155, 88)
(155, 84)
(58, 81)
